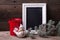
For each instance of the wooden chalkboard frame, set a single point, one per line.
(24, 7)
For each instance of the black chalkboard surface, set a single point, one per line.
(34, 17)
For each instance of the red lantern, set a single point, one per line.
(15, 22)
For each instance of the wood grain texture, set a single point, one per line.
(54, 10)
(9, 11)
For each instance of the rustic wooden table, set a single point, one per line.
(5, 35)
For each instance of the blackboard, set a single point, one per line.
(33, 17)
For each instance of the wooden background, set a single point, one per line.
(13, 8)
